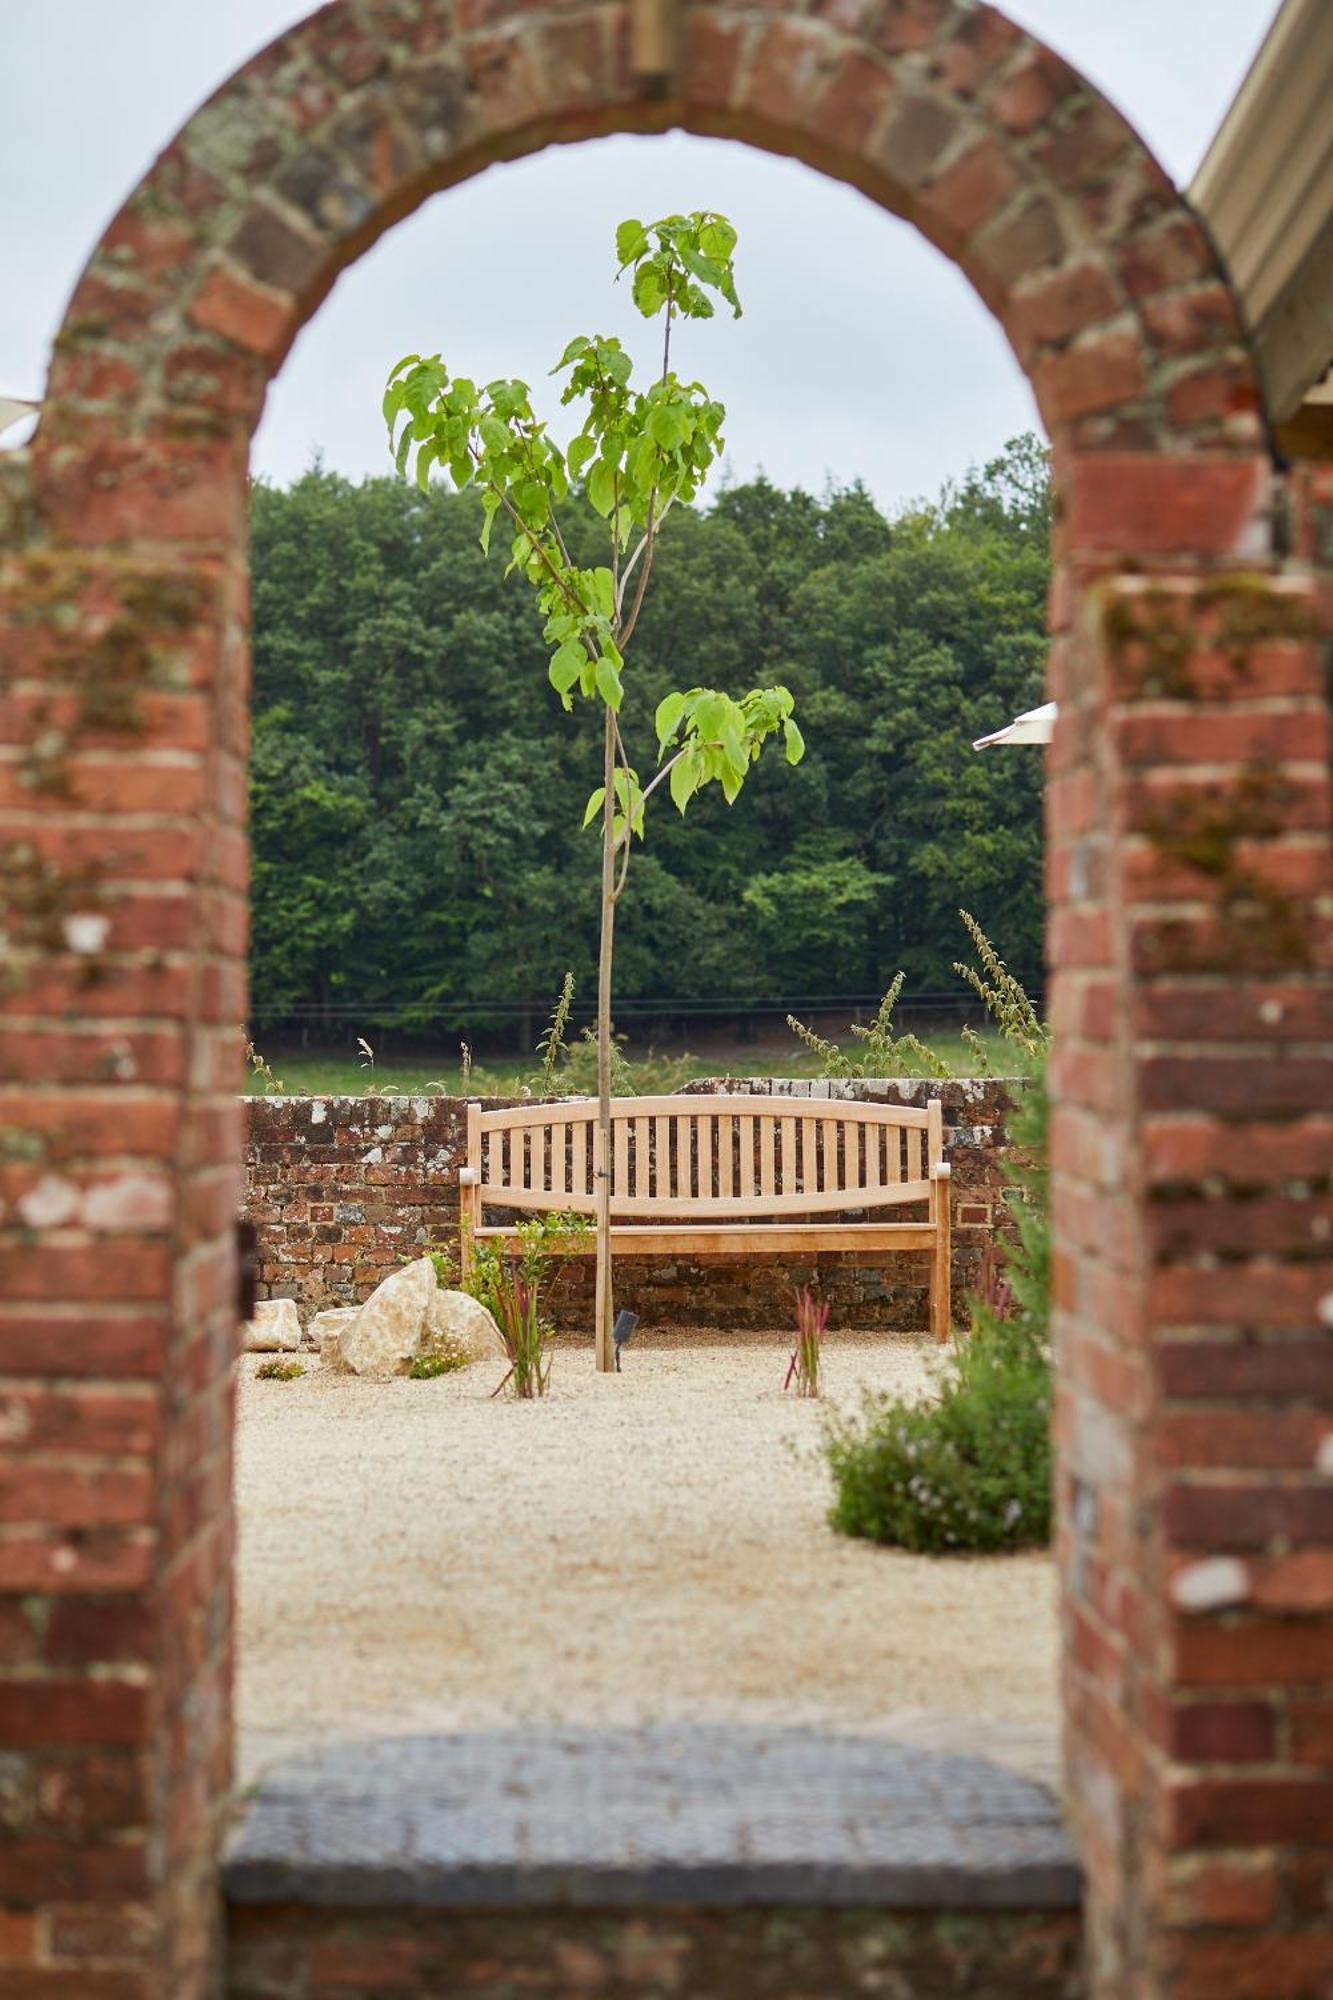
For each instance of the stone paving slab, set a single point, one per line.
(671, 1814)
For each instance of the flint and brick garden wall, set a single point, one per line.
(1188, 875)
(341, 1188)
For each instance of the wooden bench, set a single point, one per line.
(722, 1176)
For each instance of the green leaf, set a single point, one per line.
(577, 346)
(734, 748)
(668, 425)
(533, 502)
(667, 719)
(601, 488)
(795, 742)
(649, 289)
(580, 451)
(684, 780)
(631, 241)
(567, 665)
(594, 805)
(717, 238)
(645, 462)
(490, 503)
(404, 448)
(604, 592)
(609, 684)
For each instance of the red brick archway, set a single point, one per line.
(1188, 850)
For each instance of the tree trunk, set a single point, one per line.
(603, 1312)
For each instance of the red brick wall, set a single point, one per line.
(340, 1188)
(1188, 829)
(1189, 878)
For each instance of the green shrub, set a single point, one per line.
(427, 1366)
(278, 1371)
(970, 1471)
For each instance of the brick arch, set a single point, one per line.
(1188, 849)
(941, 111)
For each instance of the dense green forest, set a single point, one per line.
(417, 791)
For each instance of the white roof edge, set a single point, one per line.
(1035, 725)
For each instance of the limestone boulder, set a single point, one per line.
(457, 1324)
(275, 1328)
(325, 1330)
(384, 1337)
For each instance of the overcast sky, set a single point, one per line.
(862, 353)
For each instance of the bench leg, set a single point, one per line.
(941, 1267)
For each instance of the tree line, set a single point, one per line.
(417, 797)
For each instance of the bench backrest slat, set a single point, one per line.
(716, 1157)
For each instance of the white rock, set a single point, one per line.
(331, 1352)
(384, 1337)
(323, 1332)
(331, 1320)
(1218, 1583)
(458, 1324)
(275, 1328)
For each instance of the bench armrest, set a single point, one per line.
(941, 1171)
(468, 1177)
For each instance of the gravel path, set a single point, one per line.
(415, 1557)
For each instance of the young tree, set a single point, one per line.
(639, 452)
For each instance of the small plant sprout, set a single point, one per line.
(508, 1282)
(1003, 996)
(993, 1292)
(273, 1085)
(367, 1053)
(278, 1371)
(890, 1054)
(465, 1066)
(637, 453)
(551, 1047)
(427, 1366)
(526, 1336)
(808, 1355)
(887, 1053)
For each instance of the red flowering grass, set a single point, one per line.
(807, 1355)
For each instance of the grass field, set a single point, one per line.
(317, 1073)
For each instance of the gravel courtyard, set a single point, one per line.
(415, 1557)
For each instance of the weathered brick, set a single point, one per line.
(1269, 1370)
(966, 193)
(1100, 373)
(1215, 1732)
(1019, 244)
(916, 136)
(1254, 1653)
(853, 102)
(243, 313)
(1245, 1514)
(1207, 506)
(1224, 1893)
(1061, 304)
(1235, 1812)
